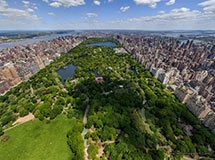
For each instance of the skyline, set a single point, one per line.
(107, 14)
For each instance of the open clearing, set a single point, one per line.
(37, 140)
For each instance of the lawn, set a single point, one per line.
(36, 140)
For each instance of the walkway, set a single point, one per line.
(84, 132)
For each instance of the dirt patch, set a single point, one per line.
(4, 138)
(100, 151)
(24, 119)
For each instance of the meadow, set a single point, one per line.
(36, 140)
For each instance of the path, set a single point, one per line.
(21, 120)
(84, 132)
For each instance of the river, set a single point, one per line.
(31, 40)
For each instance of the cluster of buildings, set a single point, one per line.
(186, 67)
(21, 62)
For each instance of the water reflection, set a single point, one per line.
(106, 44)
(67, 72)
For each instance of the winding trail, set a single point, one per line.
(84, 132)
(21, 120)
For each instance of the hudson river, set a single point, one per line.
(31, 40)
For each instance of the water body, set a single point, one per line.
(100, 44)
(67, 72)
(31, 40)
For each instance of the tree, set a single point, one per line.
(75, 140)
(1, 131)
(7, 117)
(45, 109)
(23, 112)
(76, 144)
(92, 151)
(38, 115)
(108, 133)
(30, 106)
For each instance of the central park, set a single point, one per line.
(97, 102)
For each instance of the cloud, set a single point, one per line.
(55, 4)
(176, 15)
(13, 16)
(209, 5)
(110, 1)
(171, 2)
(161, 12)
(30, 10)
(179, 18)
(3, 4)
(51, 13)
(124, 9)
(65, 3)
(26, 2)
(91, 15)
(34, 6)
(176, 19)
(16, 13)
(97, 2)
(150, 3)
(30, 6)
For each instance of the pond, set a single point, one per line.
(106, 44)
(67, 72)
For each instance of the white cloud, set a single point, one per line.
(10, 16)
(181, 18)
(34, 6)
(124, 9)
(16, 13)
(176, 15)
(97, 2)
(26, 2)
(47, 1)
(51, 13)
(65, 3)
(91, 15)
(55, 4)
(150, 3)
(30, 10)
(109, 1)
(161, 12)
(3, 4)
(30, 6)
(171, 2)
(177, 19)
(209, 5)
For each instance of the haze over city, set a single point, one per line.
(107, 14)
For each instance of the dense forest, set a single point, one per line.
(131, 115)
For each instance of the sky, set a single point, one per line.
(107, 14)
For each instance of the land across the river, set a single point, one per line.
(27, 41)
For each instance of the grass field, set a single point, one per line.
(36, 140)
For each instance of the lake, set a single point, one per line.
(67, 72)
(106, 44)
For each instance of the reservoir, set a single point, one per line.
(100, 44)
(67, 72)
